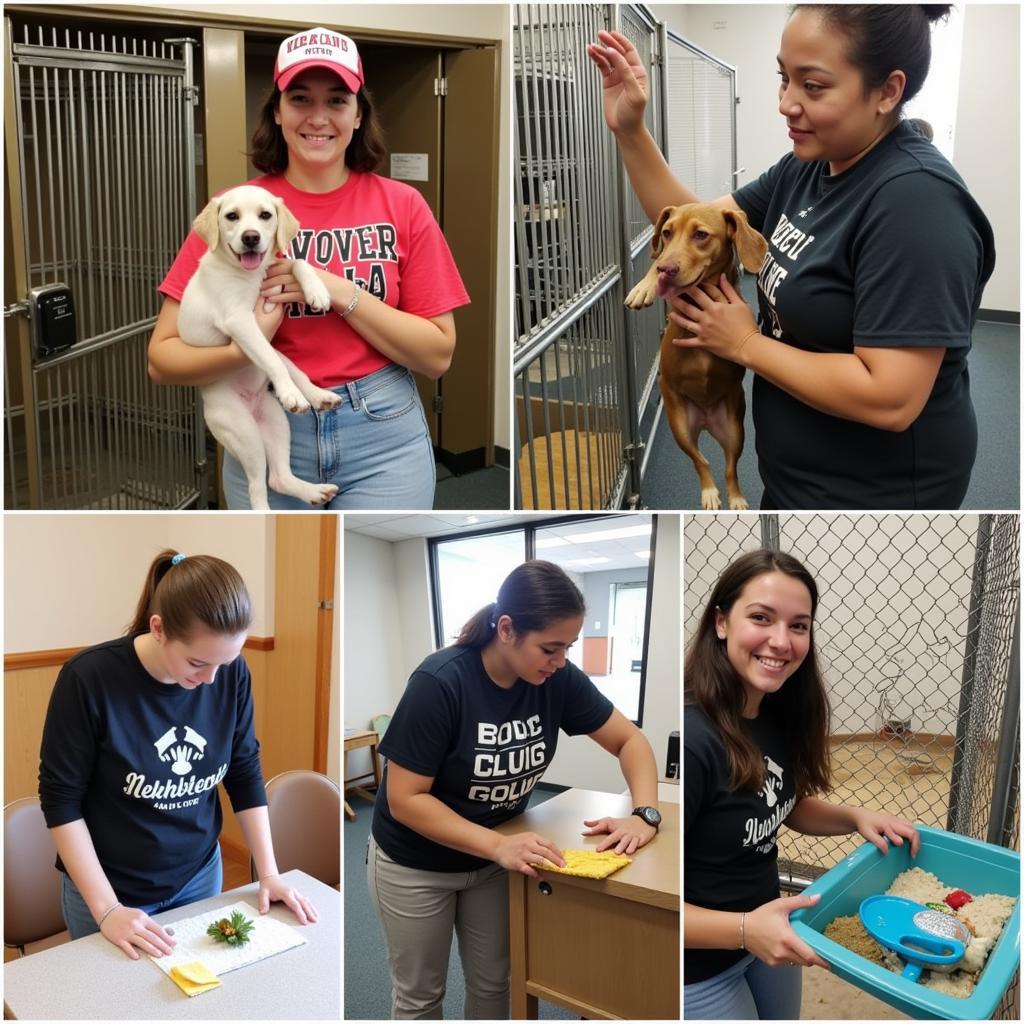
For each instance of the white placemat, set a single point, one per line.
(267, 938)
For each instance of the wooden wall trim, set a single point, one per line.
(41, 659)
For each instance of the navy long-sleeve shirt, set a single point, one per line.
(140, 760)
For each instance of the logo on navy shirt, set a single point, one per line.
(180, 753)
(508, 761)
(761, 832)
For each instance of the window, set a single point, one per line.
(609, 557)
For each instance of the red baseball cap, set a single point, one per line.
(318, 48)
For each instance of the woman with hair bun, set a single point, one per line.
(472, 735)
(139, 732)
(755, 754)
(877, 259)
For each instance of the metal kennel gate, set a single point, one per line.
(584, 368)
(918, 634)
(101, 167)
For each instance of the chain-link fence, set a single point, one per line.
(917, 636)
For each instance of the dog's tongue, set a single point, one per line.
(666, 286)
(251, 260)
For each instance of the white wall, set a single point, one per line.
(464, 21)
(582, 763)
(73, 580)
(987, 131)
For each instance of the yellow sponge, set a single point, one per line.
(194, 978)
(589, 863)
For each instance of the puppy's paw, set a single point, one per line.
(291, 398)
(323, 493)
(710, 500)
(322, 399)
(738, 503)
(642, 295)
(317, 296)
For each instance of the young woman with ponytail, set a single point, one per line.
(472, 735)
(139, 731)
(755, 753)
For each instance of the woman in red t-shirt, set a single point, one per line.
(391, 276)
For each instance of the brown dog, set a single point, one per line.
(693, 244)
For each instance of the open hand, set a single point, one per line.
(132, 930)
(624, 79)
(526, 851)
(718, 317)
(627, 835)
(273, 890)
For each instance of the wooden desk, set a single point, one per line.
(90, 979)
(605, 949)
(354, 741)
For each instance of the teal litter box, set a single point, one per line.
(960, 863)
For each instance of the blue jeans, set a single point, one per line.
(749, 990)
(207, 881)
(375, 446)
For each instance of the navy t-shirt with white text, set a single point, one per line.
(484, 746)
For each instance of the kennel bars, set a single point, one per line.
(584, 367)
(101, 162)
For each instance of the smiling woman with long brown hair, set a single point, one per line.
(755, 754)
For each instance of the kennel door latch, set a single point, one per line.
(17, 307)
(52, 316)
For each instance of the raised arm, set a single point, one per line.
(624, 79)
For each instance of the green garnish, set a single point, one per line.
(234, 932)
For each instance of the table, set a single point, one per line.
(354, 741)
(90, 979)
(605, 949)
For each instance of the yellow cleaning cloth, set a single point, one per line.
(589, 863)
(194, 979)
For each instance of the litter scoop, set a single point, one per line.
(922, 937)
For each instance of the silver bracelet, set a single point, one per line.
(106, 914)
(743, 930)
(351, 307)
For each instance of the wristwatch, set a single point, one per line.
(648, 814)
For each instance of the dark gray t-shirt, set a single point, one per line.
(485, 747)
(729, 836)
(891, 253)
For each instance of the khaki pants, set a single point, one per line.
(418, 911)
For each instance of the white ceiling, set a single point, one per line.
(593, 545)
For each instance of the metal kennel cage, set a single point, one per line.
(918, 631)
(100, 147)
(584, 367)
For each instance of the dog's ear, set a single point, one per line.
(287, 227)
(657, 242)
(751, 246)
(206, 225)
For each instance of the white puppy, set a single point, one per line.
(245, 228)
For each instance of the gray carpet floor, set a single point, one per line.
(671, 483)
(367, 985)
(481, 489)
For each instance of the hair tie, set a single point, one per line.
(179, 557)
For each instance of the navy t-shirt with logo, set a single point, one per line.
(140, 761)
(891, 253)
(729, 835)
(484, 746)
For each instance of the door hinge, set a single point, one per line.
(326, 606)
(441, 86)
(438, 403)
